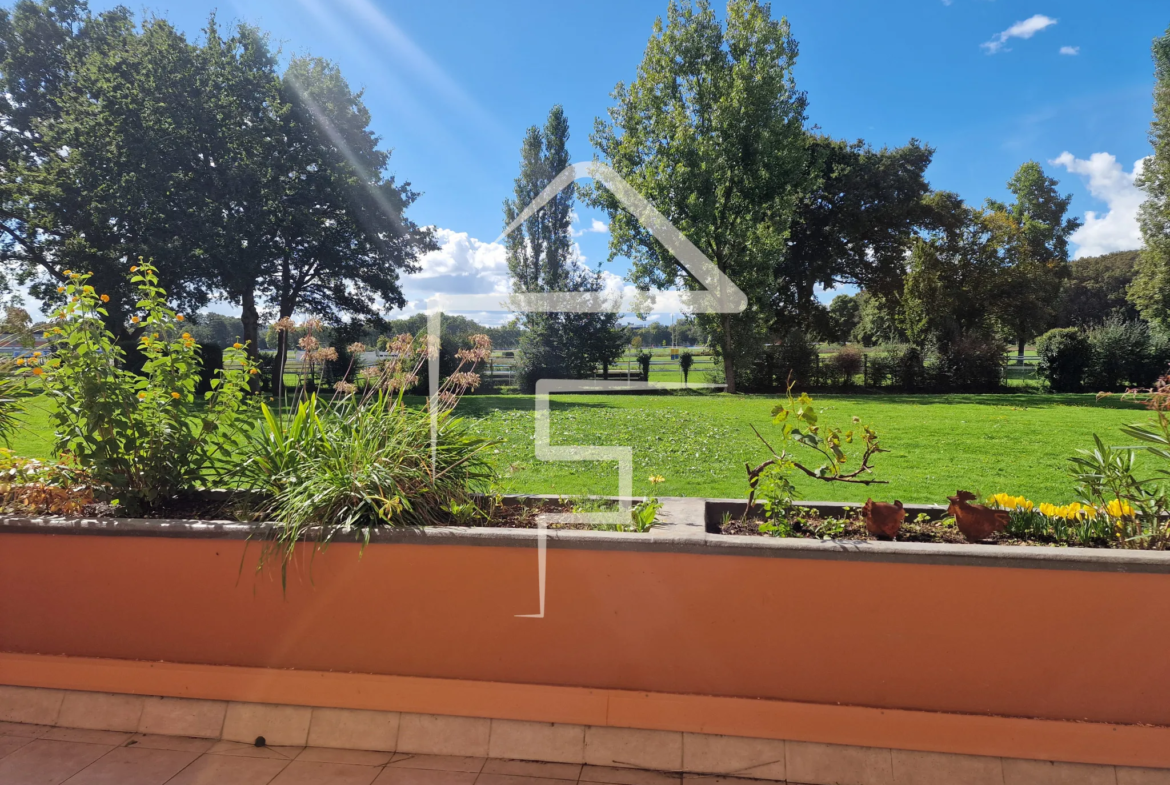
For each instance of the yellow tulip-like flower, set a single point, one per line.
(1118, 509)
(656, 478)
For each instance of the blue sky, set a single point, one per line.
(453, 85)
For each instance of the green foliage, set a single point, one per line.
(644, 359)
(971, 362)
(794, 361)
(844, 316)
(644, 514)
(711, 132)
(899, 365)
(800, 426)
(1106, 479)
(1151, 288)
(1096, 290)
(1121, 352)
(367, 458)
(1065, 356)
(141, 435)
(685, 361)
(541, 259)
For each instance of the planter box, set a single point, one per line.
(1028, 652)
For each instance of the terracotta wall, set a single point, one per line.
(1056, 644)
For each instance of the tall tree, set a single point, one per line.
(542, 258)
(1036, 253)
(99, 140)
(711, 132)
(1151, 288)
(855, 223)
(1096, 290)
(955, 273)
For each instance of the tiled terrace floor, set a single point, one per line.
(40, 755)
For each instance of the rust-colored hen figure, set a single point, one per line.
(883, 519)
(975, 521)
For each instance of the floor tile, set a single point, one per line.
(716, 779)
(399, 776)
(280, 725)
(241, 750)
(437, 762)
(183, 717)
(109, 738)
(616, 776)
(353, 729)
(358, 757)
(177, 743)
(100, 711)
(546, 741)
(10, 744)
(527, 768)
(30, 704)
(1127, 775)
(839, 764)
(229, 770)
(1039, 772)
(133, 766)
(307, 772)
(44, 762)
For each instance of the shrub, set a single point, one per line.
(899, 365)
(1065, 355)
(644, 359)
(1120, 355)
(141, 434)
(795, 360)
(846, 364)
(367, 459)
(971, 363)
(685, 361)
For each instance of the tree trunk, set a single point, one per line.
(605, 371)
(1020, 359)
(728, 360)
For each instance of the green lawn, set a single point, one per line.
(700, 442)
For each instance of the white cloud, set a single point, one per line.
(1116, 229)
(596, 227)
(1070, 50)
(1025, 29)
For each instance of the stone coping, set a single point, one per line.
(683, 531)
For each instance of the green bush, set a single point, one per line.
(896, 364)
(970, 363)
(141, 436)
(1065, 356)
(794, 361)
(1120, 355)
(211, 366)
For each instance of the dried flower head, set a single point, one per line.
(356, 348)
(309, 343)
(345, 388)
(285, 324)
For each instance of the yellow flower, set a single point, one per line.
(656, 478)
(60, 288)
(38, 371)
(237, 346)
(20, 361)
(141, 395)
(134, 320)
(179, 317)
(253, 371)
(134, 269)
(186, 336)
(174, 395)
(87, 289)
(69, 272)
(105, 298)
(1118, 509)
(36, 354)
